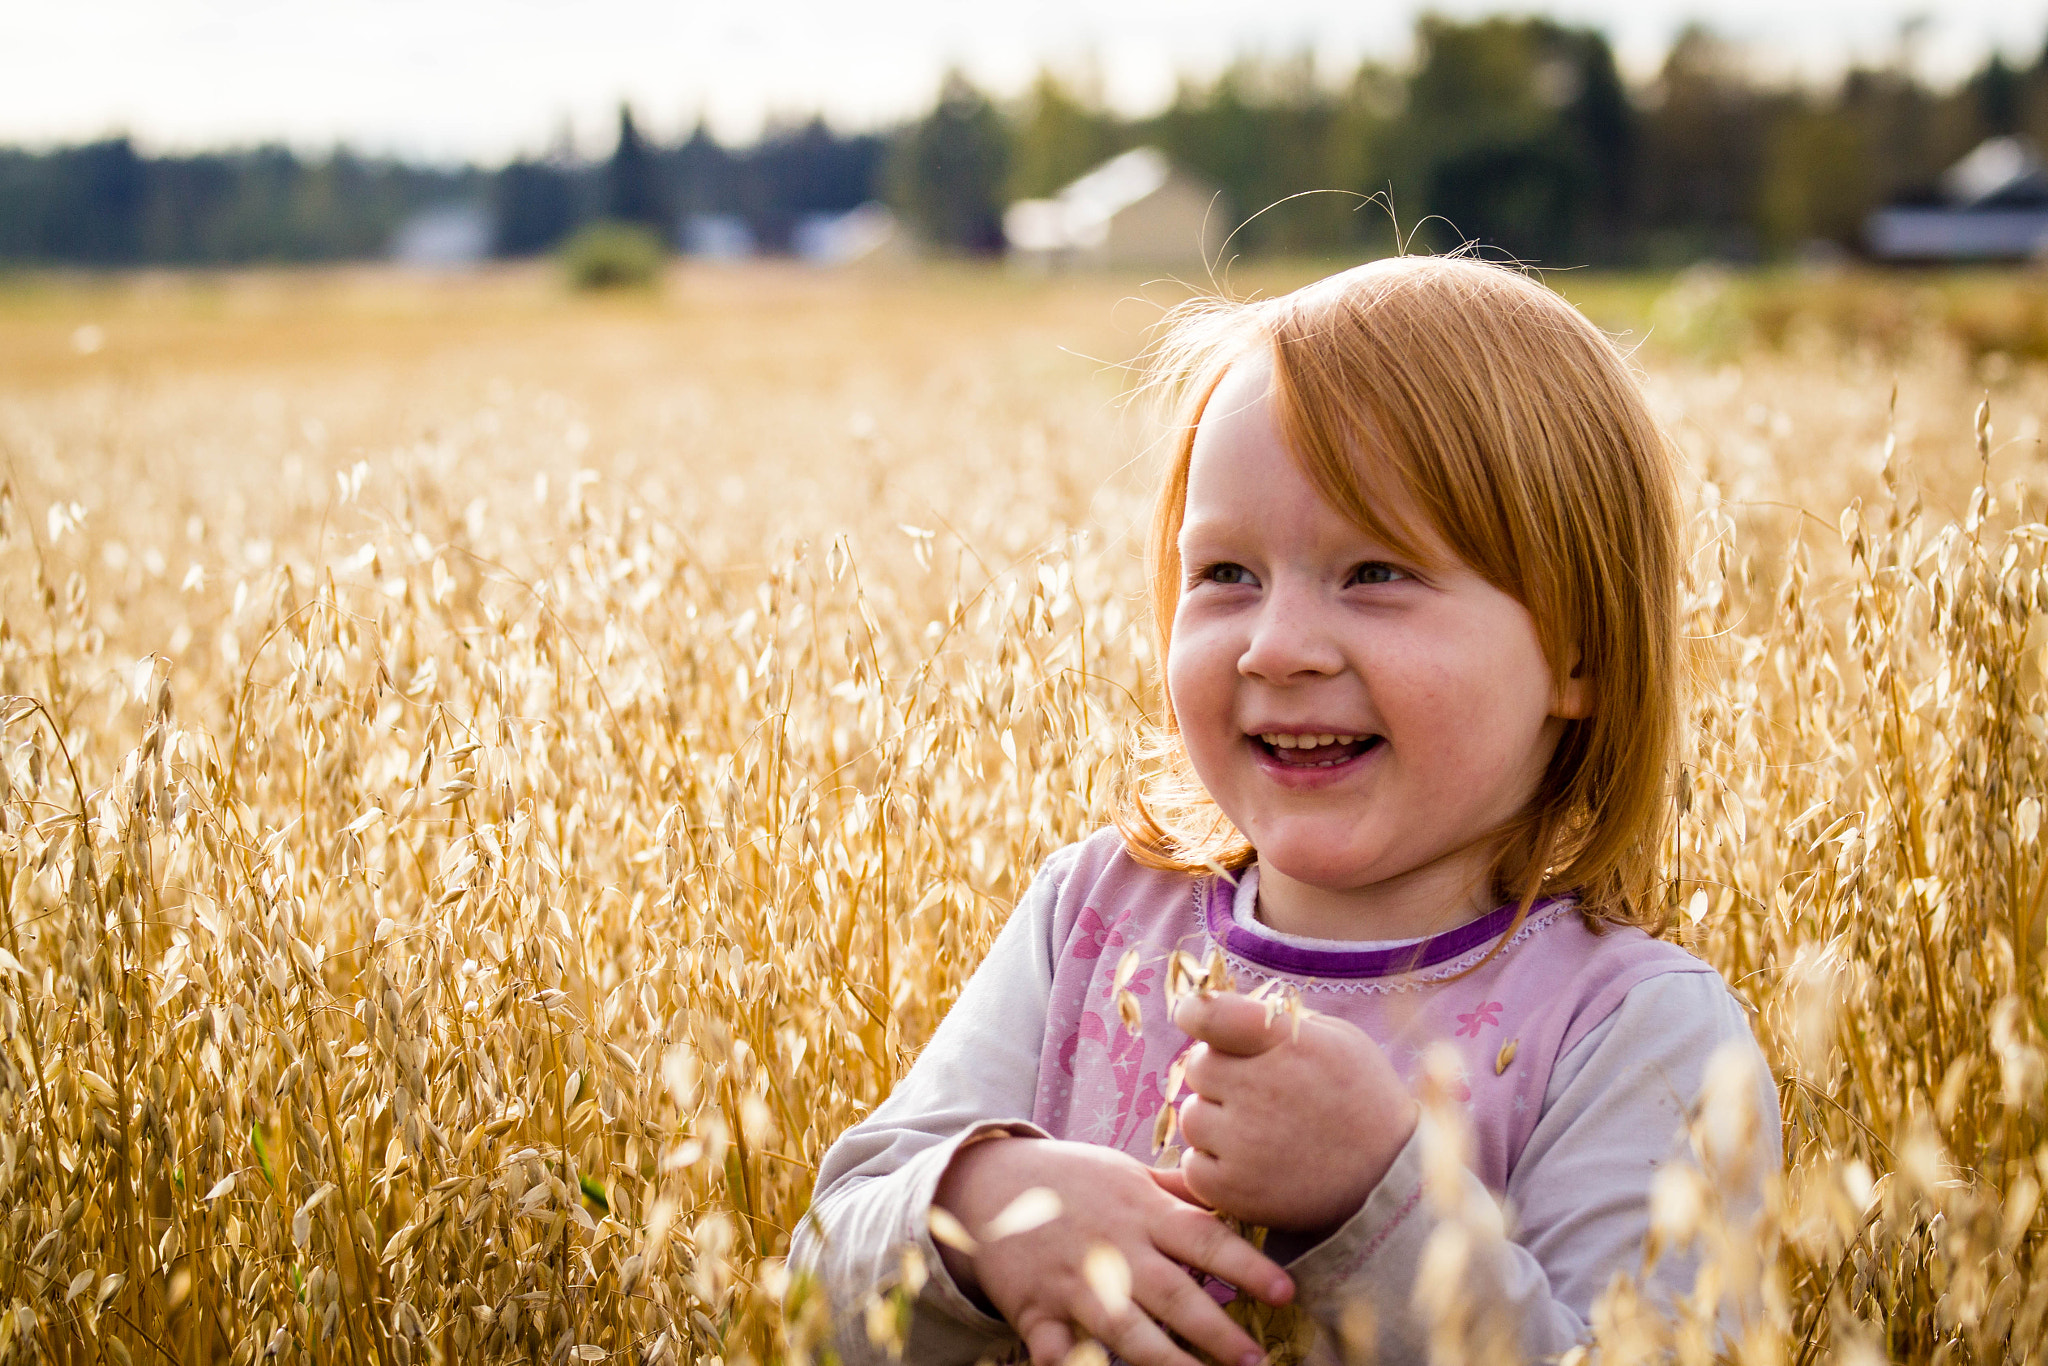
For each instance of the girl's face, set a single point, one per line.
(1368, 722)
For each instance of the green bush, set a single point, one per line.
(613, 255)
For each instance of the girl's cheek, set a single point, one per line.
(1184, 657)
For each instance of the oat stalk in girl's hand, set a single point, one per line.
(1414, 571)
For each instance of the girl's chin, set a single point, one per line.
(1320, 863)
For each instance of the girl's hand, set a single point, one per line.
(1036, 1278)
(1290, 1121)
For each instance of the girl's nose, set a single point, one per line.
(1291, 638)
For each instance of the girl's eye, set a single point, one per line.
(1377, 571)
(1225, 574)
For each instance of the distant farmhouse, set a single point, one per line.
(443, 237)
(1993, 207)
(1133, 210)
(866, 232)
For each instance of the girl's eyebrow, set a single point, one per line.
(1227, 522)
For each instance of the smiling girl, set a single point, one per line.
(1414, 566)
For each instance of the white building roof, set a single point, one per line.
(1079, 215)
(1996, 167)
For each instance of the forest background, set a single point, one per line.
(1518, 132)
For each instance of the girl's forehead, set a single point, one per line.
(1242, 466)
(1246, 382)
(1240, 408)
(1239, 425)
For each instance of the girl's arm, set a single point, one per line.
(870, 1216)
(1615, 1112)
(978, 1075)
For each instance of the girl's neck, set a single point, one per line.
(1428, 900)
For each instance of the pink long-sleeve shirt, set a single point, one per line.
(1579, 1057)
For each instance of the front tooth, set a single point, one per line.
(1284, 741)
(1326, 739)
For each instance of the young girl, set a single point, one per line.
(1415, 571)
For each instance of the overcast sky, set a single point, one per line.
(448, 79)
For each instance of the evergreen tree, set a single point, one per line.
(1260, 132)
(1904, 136)
(1059, 136)
(1702, 154)
(533, 207)
(946, 172)
(1601, 123)
(1998, 92)
(97, 210)
(1517, 134)
(811, 169)
(633, 192)
(2033, 120)
(706, 175)
(1356, 158)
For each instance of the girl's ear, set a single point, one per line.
(1573, 700)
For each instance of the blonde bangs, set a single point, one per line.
(1511, 426)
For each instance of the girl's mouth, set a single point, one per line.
(1314, 751)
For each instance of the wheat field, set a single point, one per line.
(493, 782)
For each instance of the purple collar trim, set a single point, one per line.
(1290, 958)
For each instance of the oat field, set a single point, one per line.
(491, 783)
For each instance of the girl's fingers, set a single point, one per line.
(1208, 1070)
(1172, 1297)
(1231, 1023)
(1201, 1170)
(1131, 1334)
(1048, 1341)
(1201, 1241)
(1201, 1122)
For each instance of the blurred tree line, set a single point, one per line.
(106, 204)
(792, 172)
(1522, 133)
(1517, 132)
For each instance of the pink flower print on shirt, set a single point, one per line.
(1132, 1099)
(1487, 1014)
(1139, 985)
(1094, 936)
(1095, 1027)
(1092, 1029)
(1141, 1112)
(1138, 1095)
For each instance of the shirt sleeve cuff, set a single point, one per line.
(1327, 1272)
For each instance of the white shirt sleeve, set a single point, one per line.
(1579, 1198)
(875, 1186)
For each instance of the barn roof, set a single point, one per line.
(1079, 215)
(2001, 173)
(1117, 183)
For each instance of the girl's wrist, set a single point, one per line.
(957, 1195)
